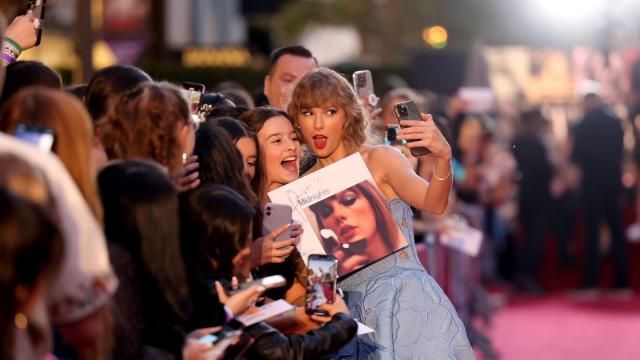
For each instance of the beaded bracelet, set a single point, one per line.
(7, 58)
(11, 48)
(10, 41)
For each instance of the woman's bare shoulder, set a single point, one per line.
(379, 155)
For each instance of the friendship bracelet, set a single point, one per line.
(13, 43)
(7, 48)
(7, 59)
(10, 47)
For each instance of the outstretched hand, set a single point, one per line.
(194, 350)
(338, 306)
(241, 300)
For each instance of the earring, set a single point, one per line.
(21, 321)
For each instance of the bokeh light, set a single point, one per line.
(436, 36)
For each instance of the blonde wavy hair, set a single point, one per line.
(324, 86)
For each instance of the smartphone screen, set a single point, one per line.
(322, 277)
(193, 93)
(193, 98)
(41, 137)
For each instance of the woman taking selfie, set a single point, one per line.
(409, 311)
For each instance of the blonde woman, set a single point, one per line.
(396, 296)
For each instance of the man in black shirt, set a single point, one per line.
(598, 151)
(534, 198)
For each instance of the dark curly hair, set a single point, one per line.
(143, 124)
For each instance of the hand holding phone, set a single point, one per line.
(408, 110)
(275, 216)
(215, 337)
(325, 312)
(239, 301)
(363, 85)
(206, 344)
(266, 249)
(322, 281)
(38, 9)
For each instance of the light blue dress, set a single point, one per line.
(412, 316)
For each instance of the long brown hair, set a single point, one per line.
(322, 87)
(255, 120)
(69, 119)
(143, 124)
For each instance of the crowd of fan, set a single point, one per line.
(124, 241)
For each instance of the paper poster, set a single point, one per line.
(265, 312)
(343, 213)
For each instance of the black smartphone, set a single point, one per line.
(408, 110)
(39, 136)
(193, 92)
(38, 8)
(322, 281)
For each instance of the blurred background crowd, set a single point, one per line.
(539, 100)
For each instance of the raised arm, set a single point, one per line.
(404, 182)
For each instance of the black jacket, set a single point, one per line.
(322, 343)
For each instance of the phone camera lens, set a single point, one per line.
(268, 213)
(268, 208)
(403, 110)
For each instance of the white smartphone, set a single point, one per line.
(268, 282)
(274, 216)
(39, 136)
(363, 85)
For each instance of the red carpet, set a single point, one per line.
(559, 327)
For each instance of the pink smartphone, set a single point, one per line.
(274, 216)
